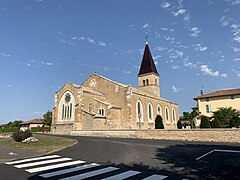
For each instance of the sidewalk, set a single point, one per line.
(8, 153)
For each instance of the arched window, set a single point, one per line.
(70, 110)
(144, 83)
(159, 110)
(101, 111)
(147, 82)
(155, 81)
(173, 115)
(150, 112)
(62, 111)
(65, 107)
(139, 111)
(167, 114)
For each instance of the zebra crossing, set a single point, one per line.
(65, 168)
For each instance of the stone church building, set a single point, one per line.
(103, 104)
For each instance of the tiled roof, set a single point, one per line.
(226, 92)
(34, 121)
(147, 65)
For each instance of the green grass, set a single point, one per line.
(45, 143)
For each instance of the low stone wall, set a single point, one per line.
(201, 135)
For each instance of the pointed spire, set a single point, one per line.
(147, 65)
(146, 38)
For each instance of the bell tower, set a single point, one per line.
(148, 77)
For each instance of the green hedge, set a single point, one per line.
(13, 129)
(40, 129)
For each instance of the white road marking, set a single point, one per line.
(123, 175)
(218, 150)
(91, 174)
(222, 150)
(204, 155)
(42, 162)
(44, 168)
(155, 177)
(65, 171)
(32, 159)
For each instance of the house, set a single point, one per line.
(210, 102)
(100, 103)
(31, 123)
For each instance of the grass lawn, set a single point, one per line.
(45, 143)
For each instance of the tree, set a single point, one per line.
(216, 123)
(47, 118)
(225, 115)
(205, 122)
(159, 122)
(179, 125)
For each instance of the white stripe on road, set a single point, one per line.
(44, 168)
(218, 150)
(155, 177)
(204, 155)
(32, 159)
(42, 162)
(231, 151)
(65, 171)
(91, 174)
(123, 175)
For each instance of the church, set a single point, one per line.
(100, 103)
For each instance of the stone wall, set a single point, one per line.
(201, 135)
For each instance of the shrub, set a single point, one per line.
(159, 122)
(216, 123)
(179, 125)
(205, 122)
(20, 135)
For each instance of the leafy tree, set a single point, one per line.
(216, 123)
(159, 122)
(225, 115)
(47, 118)
(205, 122)
(236, 120)
(179, 125)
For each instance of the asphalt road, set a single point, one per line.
(173, 159)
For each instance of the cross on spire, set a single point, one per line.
(146, 37)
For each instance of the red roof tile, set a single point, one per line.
(226, 92)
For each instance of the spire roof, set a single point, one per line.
(147, 65)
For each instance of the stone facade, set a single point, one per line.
(102, 104)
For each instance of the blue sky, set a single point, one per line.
(47, 43)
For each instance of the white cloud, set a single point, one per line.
(158, 48)
(127, 72)
(224, 75)
(235, 2)
(176, 54)
(90, 40)
(175, 67)
(236, 59)
(175, 89)
(235, 49)
(236, 32)
(5, 54)
(146, 26)
(208, 71)
(198, 47)
(101, 43)
(225, 21)
(195, 31)
(46, 63)
(165, 5)
(179, 12)
(156, 62)
(189, 64)
(164, 28)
